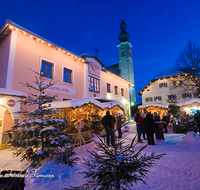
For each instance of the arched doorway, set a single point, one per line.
(6, 123)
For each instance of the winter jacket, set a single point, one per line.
(148, 124)
(108, 122)
(140, 120)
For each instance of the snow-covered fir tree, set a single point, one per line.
(42, 134)
(118, 168)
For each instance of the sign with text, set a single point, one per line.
(62, 89)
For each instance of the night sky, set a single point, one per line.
(159, 29)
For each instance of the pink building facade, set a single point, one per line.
(75, 77)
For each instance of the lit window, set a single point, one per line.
(47, 69)
(122, 92)
(186, 95)
(172, 97)
(116, 90)
(108, 86)
(157, 98)
(67, 75)
(148, 99)
(161, 85)
(178, 82)
(94, 84)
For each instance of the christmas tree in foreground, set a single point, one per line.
(117, 168)
(42, 134)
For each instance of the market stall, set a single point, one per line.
(88, 110)
(154, 107)
(189, 107)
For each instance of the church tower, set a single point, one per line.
(125, 60)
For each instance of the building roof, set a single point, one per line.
(9, 92)
(168, 73)
(153, 104)
(93, 56)
(9, 26)
(80, 102)
(187, 102)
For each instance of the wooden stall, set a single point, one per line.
(154, 107)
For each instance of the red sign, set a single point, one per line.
(11, 103)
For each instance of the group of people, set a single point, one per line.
(108, 123)
(145, 125)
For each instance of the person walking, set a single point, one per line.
(139, 124)
(119, 125)
(108, 123)
(149, 128)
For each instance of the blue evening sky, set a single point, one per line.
(159, 29)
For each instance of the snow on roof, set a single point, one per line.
(168, 73)
(187, 102)
(153, 104)
(10, 92)
(11, 23)
(79, 102)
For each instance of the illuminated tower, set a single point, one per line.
(125, 60)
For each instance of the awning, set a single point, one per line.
(9, 92)
(187, 102)
(80, 102)
(153, 104)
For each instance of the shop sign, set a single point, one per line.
(61, 89)
(11, 103)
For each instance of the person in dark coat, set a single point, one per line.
(108, 123)
(149, 128)
(119, 125)
(165, 118)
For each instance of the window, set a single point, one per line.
(122, 53)
(157, 98)
(149, 99)
(195, 95)
(178, 82)
(163, 85)
(93, 84)
(47, 69)
(108, 87)
(116, 90)
(186, 95)
(122, 92)
(67, 75)
(172, 97)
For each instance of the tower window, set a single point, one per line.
(122, 53)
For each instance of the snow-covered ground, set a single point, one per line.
(179, 169)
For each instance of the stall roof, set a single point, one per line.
(9, 92)
(79, 102)
(187, 102)
(153, 104)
